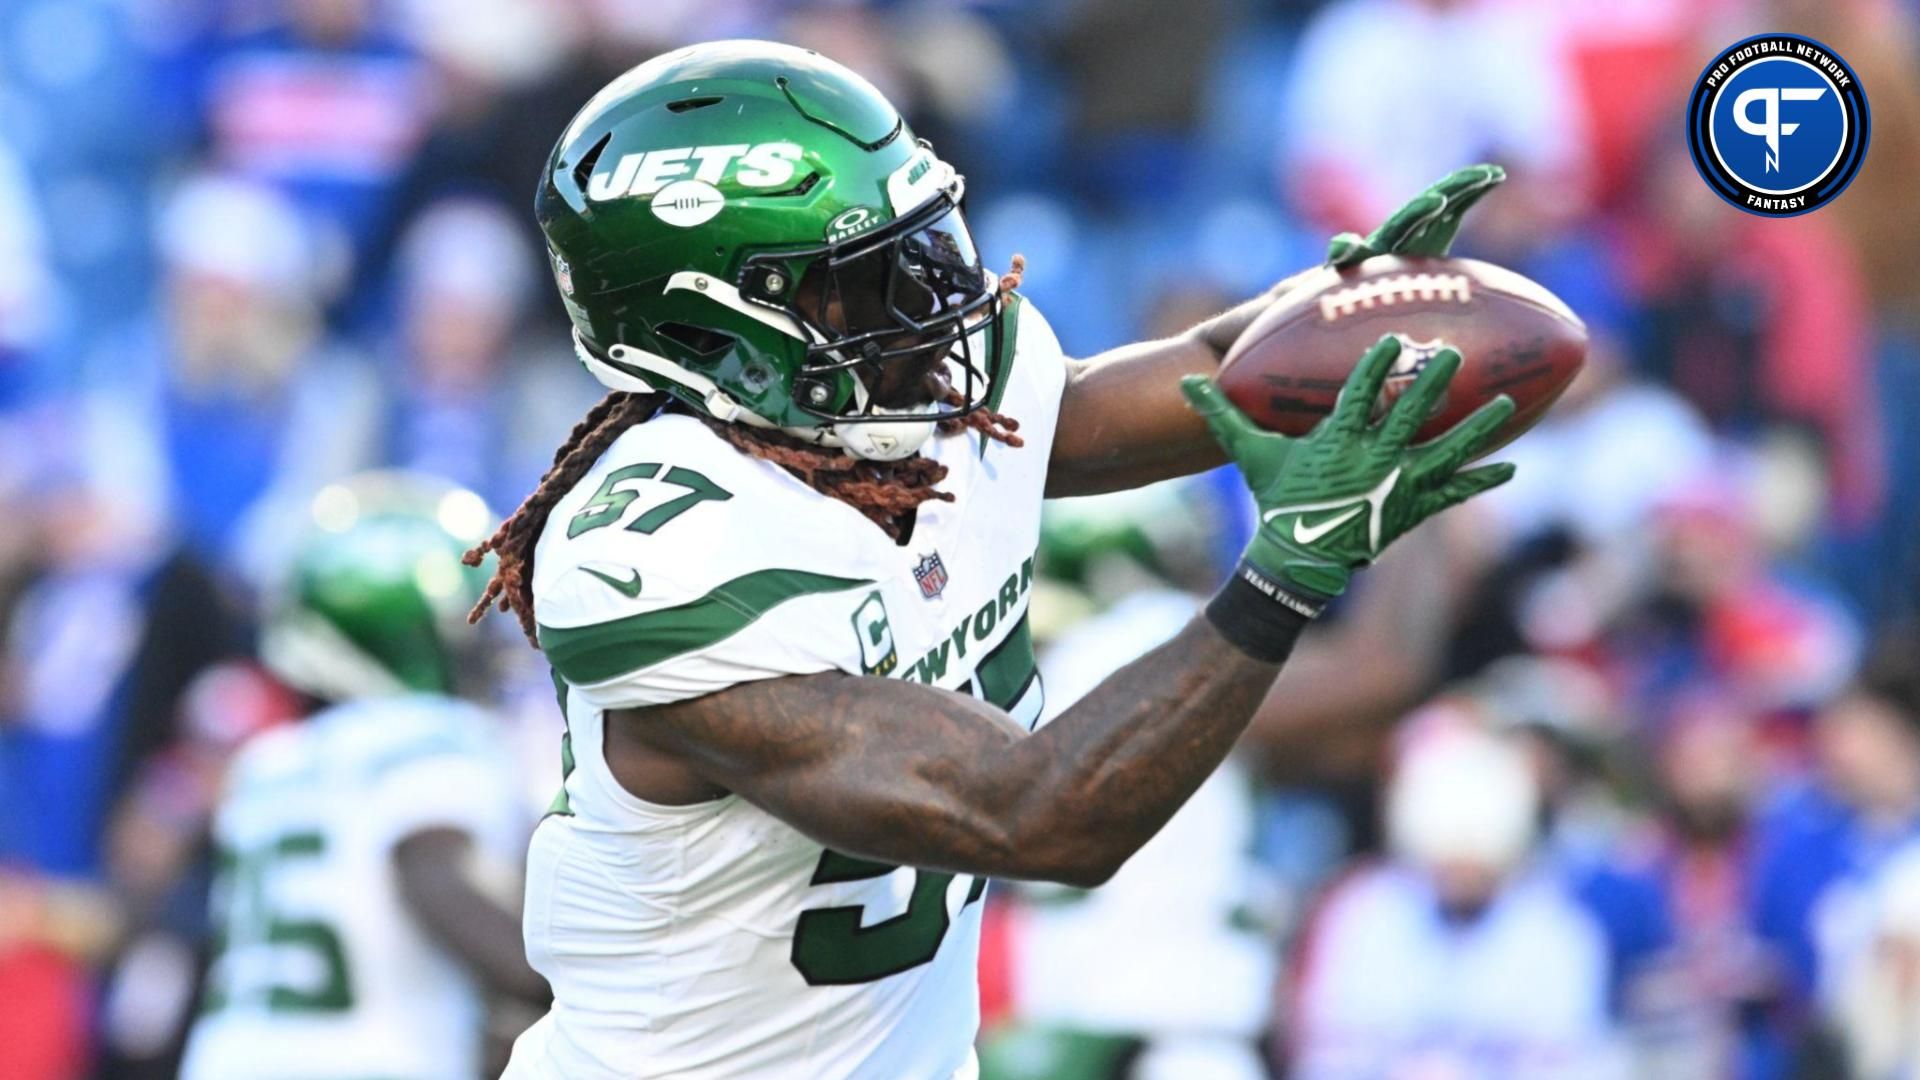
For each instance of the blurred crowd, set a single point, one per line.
(1615, 775)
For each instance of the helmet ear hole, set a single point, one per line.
(709, 345)
(805, 185)
(584, 170)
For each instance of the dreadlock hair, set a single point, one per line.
(511, 586)
(884, 491)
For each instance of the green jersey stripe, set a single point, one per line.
(1005, 672)
(586, 655)
(1008, 335)
(562, 804)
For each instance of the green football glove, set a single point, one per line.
(1332, 499)
(1424, 226)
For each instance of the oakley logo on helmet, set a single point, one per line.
(765, 165)
(851, 223)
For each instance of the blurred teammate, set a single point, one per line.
(782, 573)
(363, 908)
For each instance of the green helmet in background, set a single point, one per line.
(1161, 532)
(1097, 550)
(752, 229)
(376, 594)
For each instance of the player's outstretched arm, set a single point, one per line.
(1121, 424)
(904, 773)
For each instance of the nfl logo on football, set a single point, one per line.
(1414, 357)
(931, 574)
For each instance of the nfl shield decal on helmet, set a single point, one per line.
(931, 573)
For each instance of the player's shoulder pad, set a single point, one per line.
(1034, 334)
(1031, 373)
(677, 541)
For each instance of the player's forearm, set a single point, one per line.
(1069, 803)
(1220, 332)
(1122, 423)
(1105, 775)
(901, 773)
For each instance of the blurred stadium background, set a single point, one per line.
(1619, 775)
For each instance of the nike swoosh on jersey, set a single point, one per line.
(630, 589)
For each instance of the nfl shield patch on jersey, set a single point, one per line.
(931, 573)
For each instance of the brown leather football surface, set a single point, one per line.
(1514, 338)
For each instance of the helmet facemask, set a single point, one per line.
(896, 324)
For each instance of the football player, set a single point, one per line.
(362, 853)
(781, 573)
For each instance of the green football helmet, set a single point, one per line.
(375, 597)
(1108, 544)
(752, 229)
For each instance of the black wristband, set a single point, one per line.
(1258, 616)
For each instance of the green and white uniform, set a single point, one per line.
(319, 970)
(714, 940)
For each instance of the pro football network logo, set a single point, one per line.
(1778, 125)
(931, 573)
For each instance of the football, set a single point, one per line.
(1514, 338)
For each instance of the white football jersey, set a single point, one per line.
(319, 970)
(714, 940)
